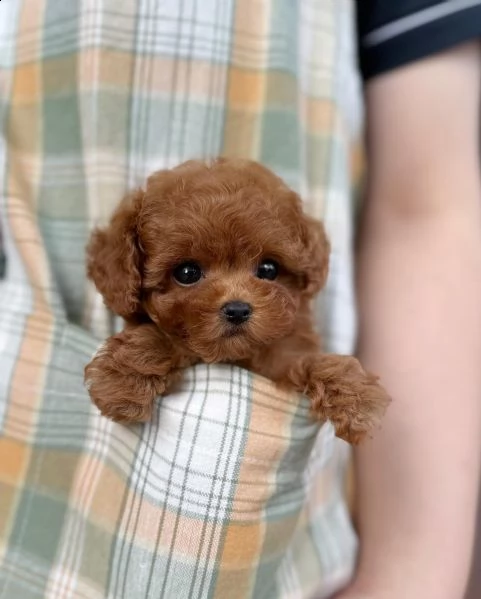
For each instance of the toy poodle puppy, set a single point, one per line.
(216, 262)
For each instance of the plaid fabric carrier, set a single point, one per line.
(231, 491)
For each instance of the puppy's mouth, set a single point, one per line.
(234, 331)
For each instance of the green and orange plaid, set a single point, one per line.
(231, 491)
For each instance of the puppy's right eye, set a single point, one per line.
(268, 269)
(187, 273)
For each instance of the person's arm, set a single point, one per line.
(419, 284)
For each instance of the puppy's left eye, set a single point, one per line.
(268, 269)
(187, 273)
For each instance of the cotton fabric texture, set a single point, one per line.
(231, 491)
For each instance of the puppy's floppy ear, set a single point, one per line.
(114, 258)
(315, 260)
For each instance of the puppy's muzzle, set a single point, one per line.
(237, 312)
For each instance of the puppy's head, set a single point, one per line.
(220, 256)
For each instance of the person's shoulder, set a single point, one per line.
(392, 34)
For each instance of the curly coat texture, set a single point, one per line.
(226, 216)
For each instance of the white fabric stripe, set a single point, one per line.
(405, 24)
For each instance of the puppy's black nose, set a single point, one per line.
(237, 312)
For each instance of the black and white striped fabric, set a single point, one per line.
(394, 33)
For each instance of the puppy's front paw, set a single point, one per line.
(122, 397)
(344, 393)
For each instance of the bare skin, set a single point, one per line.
(420, 308)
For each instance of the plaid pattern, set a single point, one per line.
(231, 491)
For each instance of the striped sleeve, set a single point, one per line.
(392, 34)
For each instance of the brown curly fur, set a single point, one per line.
(227, 216)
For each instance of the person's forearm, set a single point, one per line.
(420, 299)
(419, 283)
